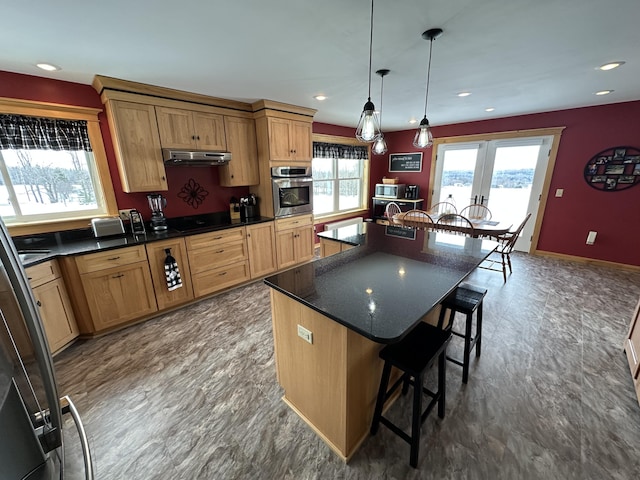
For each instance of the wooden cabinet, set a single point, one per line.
(218, 260)
(294, 240)
(331, 247)
(261, 245)
(117, 286)
(241, 142)
(157, 253)
(54, 305)
(632, 348)
(289, 140)
(134, 131)
(190, 129)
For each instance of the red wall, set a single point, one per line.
(28, 87)
(567, 220)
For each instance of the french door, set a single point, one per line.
(506, 175)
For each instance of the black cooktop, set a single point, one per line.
(199, 222)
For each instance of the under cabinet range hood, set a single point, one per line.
(195, 157)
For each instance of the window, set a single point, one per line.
(49, 168)
(339, 178)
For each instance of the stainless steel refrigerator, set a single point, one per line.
(31, 412)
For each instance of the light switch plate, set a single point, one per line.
(305, 334)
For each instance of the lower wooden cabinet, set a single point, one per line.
(218, 260)
(111, 287)
(261, 244)
(157, 253)
(331, 247)
(632, 348)
(54, 305)
(294, 240)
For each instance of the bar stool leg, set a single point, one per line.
(479, 330)
(416, 421)
(442, 378)
(467, 348)
(382, 393)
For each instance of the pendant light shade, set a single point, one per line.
(380, 145)
(423, 137)
(368, 129)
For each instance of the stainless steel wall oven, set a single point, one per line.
(292, 191)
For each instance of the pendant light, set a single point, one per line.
(368, 129)
(424, 138)
(380, 145)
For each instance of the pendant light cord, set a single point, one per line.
(370, 48)
(381, 93)
(426, 97)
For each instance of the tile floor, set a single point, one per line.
(193, 394)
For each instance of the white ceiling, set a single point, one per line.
(518, 56)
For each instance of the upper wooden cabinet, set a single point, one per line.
(134, 131)
(191, 129)
(241, 142)
(289, 140)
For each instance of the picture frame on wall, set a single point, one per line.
(619, 153)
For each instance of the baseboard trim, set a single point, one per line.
(588, 261)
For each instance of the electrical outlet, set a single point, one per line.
(125, 214)
(305, 334)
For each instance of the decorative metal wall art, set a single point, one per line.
(192, 193)
(613, 169)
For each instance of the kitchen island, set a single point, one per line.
(331, 318)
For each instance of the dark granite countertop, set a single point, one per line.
(43, 247)
(384, 287)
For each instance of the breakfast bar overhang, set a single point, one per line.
(331, 317)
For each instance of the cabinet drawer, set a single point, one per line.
(214, 238)
(42, 273)
(112, 258)
(214, 256)
(294, 222)
(213, 280)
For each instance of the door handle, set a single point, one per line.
(475, 199)
(482, 200)
(69, 407)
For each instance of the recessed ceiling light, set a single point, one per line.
(489, 109)
(320, 97)
(610, 66)
(604, 92)
(48, 67)
(412, 121)
(464, 94)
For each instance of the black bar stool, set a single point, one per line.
(413, 355)
(466, 299)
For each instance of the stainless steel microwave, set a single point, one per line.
(388, 190)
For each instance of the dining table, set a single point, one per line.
(331, 317)
(481, 227)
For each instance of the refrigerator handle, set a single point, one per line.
(68, 406)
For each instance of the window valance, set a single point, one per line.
(24, 132)
(336, 150)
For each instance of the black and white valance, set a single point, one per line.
(24, 132)
(336, 150)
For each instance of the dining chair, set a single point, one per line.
(456, 224)
(442, 208)
(507, 242)
(476, 211)
(391, 210)
(415, 219)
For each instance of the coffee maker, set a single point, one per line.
(156, 203)
(412, 192)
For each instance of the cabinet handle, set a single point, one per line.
(113, 258)
(220, 251)
(221, 274)
(217, 238)
(163, 178)
(118, 276)
(197, 137)
(193, 137)
(39, 303)
(29, 278)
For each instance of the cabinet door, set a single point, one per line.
(241, 142)
(56, 313)
(303, 241)
(261, 243)
(301, 144)
(176, 128)
(119, 294)
(157, 255)
(279, 139)
(137, 144)
(285, 241)
(209, 131)
(329, 247)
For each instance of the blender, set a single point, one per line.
(157, 202)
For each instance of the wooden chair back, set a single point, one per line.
(442, 208)
(476, 211)
(391, 210)
(456, 224)
(415, 219)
